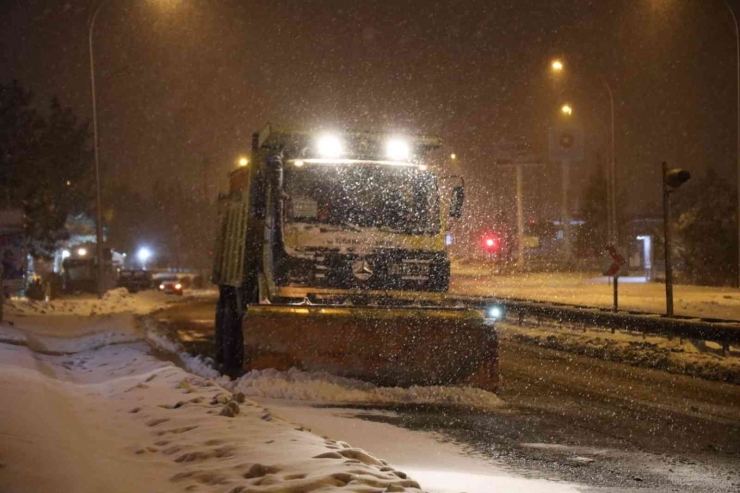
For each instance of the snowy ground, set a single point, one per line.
(592, 290)
(89, 406)
(681, 356)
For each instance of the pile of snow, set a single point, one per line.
(116, 419)
(159, 339)
(115, 301)
(323, 387)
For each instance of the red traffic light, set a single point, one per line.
(491, 243)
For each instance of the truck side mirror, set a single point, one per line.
(457, 201)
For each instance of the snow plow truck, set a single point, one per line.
(331, 256)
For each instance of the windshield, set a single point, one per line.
(396, 198)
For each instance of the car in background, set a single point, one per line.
(135, 280)
(170, 285)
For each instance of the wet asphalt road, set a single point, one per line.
(607, 425)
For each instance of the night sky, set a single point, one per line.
(183, 81)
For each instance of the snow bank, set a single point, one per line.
(160, 340)
(118, 420)
(323, 387)
(672, 355)
(115, 301)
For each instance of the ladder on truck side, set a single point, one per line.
(228, 265)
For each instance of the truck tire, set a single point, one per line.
(218, 345)
(232, 341)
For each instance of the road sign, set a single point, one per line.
(566, 143)
(619, 261)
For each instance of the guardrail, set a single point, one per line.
(724, 332)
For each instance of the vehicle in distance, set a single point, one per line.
(135, 279)
(170, 285)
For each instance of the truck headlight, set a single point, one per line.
(397, 150)
(329, 146)
(495, 312)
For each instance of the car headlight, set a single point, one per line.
(178, 286)
(161, 286)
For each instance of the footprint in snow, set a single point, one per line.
(260, 470)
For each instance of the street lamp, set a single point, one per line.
(737, 55)
(243, 161)
(672, 179)
(144, 254)
(557, 67)
(98, 207)
(567, 109)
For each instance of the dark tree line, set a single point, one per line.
(707, 242)
(45, 165)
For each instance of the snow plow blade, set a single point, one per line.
(388, 346)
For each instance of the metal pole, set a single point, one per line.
(667, 244)
(613, 172)
(616, 292)
(520, 214)
(566, 211)
(98, 207)
(737, 55)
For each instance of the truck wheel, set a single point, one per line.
(218, 346)
(232, 339)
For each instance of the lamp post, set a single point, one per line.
(672, 179)
(98, 207)
(737, 56)
(557, 66)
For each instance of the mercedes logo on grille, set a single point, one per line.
(361, 269)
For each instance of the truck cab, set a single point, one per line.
(330, 214)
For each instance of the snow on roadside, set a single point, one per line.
(158, 338)
(324, 387)
(123, 421)
(117, 300)
(672, 355)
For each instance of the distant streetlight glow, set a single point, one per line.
(557, 65)
(298, 163)
(66, 253)
(453, 156)
(567, 110)
(243, 161)
(81, 252)
(143, 255)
